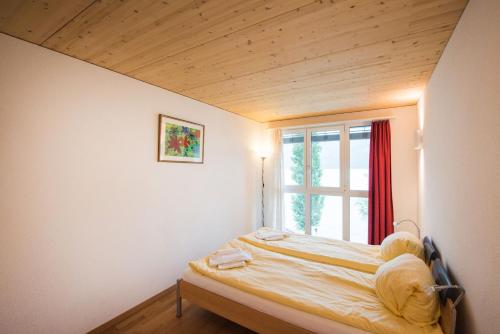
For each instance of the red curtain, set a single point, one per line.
(380, 210)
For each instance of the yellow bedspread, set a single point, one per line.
(340, 294)
(347, 254)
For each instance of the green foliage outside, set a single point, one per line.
(362, 207)
(298, 200)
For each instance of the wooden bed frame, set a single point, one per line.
(264, 323)
(246, 316)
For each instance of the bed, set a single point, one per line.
(267, 316)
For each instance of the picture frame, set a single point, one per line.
(180, 140)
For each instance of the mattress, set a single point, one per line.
(299, 318)
(365, 258)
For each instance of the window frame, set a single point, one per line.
(343, 190)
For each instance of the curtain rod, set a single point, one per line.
(322, 123)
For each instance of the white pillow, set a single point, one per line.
(401, 285)
(400, 243)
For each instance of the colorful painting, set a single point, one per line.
(180, 141)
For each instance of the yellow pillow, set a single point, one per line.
(400, 243)
(400, 285)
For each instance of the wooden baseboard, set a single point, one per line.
(111, 323)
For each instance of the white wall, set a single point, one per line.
(404, 166)
(460, 167)
(91, 224)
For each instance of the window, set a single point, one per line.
(325, 173)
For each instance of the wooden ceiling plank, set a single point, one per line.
(105, 25)
(160, 31)
(339, 86)
(397, 52)
(199, 75)
(220, 27)
(337, 89)
(35, 20)
(343, 83)
(272, 47)
(343, 79)
(265, 59)
(201, 69)
(325, 105)
(330, 97)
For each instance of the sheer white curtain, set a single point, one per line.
(274, 193)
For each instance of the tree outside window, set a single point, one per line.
(298, 200)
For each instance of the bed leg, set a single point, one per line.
(179, 300)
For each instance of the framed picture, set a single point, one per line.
(180, 141)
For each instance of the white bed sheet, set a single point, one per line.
(302, 319)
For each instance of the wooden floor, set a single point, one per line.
(159, 317)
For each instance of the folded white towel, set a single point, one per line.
(269, 232)
(226, 257)
(231, 265)
(272, 238)
(227, 251)
(270, 235)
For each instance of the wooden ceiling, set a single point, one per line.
(266, 60)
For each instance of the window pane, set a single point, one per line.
(359, 219)
(293, 158)
(294, 207)
(359, 139)
(325, 159)
(326, 216)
